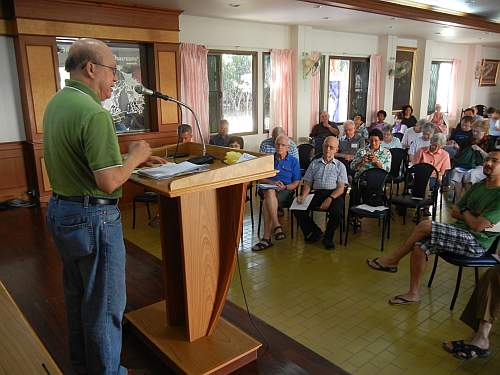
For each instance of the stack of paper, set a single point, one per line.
(371, 208)
(172, 169)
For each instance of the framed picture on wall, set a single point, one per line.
(489, 72)
(403, 72)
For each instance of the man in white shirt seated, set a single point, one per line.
(327, 177)
(423, 141)
(412, 133)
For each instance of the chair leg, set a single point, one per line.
(260, 219)
(251, 208)
(389, 225)
(149, 211)
(133, 215)
(291, 222)
(347, 228)
(341, 225)
(476, 274)
(383, 234)
(434, 267)
(457, 287)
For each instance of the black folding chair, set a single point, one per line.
(399, 165)
(415, 194)
(371, 191)
(306, 152)
(148, 197)
(462, 261)
(398, 136)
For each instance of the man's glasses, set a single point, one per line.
(113, 69)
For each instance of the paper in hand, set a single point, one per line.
(302, 206)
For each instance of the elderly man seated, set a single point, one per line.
(479, 209)
(280, 194)
(326, 178)
(185, 133)
(323, 129)
(349, 144)
(268, 145)
(222, 137)
(423, 141)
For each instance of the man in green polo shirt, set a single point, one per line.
(471, 235)
(86, 172)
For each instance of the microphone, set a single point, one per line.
(204, 159)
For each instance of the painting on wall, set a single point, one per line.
(489, 72)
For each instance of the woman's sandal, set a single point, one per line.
(280, 235)
(469, 351)
(453, 346)
(264, 243)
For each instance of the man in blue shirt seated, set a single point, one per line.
(222, 137)
(328, 178)
(280, 193)
(268, 145)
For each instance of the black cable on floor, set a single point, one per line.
(265, 342)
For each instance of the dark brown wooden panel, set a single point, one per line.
(14, 182)
(98, 13)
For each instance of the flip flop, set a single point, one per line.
(471, 351)
(373, 263)
(455, 346)
(400, 300)
(262, 245)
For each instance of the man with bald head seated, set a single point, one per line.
(86, 172)
(268, 146)
(326, 177)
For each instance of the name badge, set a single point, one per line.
(354, 145)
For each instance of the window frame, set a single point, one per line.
(438, 62)
(264, 130)
(327, 81)
(255, 65)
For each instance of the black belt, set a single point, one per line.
(91, 200)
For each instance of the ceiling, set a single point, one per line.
(293, 12)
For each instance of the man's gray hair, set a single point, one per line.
(428, 127)
(349, 122)
(282, 136)
(387, 128)
(439, 139)
(421, 122)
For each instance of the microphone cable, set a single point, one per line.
(266, 345)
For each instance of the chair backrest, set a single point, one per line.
(305, 154)
(398, 136)
(371, 187)
(398, 162)
(417, 178)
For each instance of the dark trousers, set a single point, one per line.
(307, 224)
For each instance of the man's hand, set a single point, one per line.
(326, 203)
(140, 151)
(280, 184)
(154, 160)
(300, 199)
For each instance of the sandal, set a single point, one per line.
(469, 351)
(400, 300)
(453, 346)
(280, 235)
(374, 263)
(264, 243)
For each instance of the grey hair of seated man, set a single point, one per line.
(282, 137)
(387, 129)
(428, 127)
(420, 123)
(439, 139)
(349, 122)
(278, 130)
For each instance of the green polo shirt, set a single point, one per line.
(482, 201)
(79, 139)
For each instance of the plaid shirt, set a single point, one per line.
(322, 175)
(268, 147)
(382, 154)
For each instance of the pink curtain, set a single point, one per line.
(374, 88)
(452, 96)
(315, 97)
(194, 87)
(281, 111)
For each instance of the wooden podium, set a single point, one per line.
(201, 219)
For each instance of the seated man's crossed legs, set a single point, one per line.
(312, 232)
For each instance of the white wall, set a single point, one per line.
(11, 118)
(487, 95)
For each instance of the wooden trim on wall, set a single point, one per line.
(95, 13)
(14, 181)
(81, 30)
(7, 27)
(467, 20)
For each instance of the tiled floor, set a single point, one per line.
(331, 302)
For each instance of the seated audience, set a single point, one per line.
(408, 119)
(380, 123)
(423, 141)
(460, 136)
(494, 120)
(439, 121)
(324, 129)
(268, 145)
(476, 211)
(185, 133)
(350, 143)
(436, 156)
(412, 134)
(399, 127)
(478, 112)
(390, 141)
(361, 127)
(326, 178)
(286, 181)
(372, 156)
(481, 311)
(236, 142)
(469, 160)
(222, 137)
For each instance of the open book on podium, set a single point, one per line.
(201, 216)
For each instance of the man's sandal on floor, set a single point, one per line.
(263, 244)
(469, 351)
(453, 346)
(278, 233)
(377, 266)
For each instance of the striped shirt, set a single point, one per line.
(322, 175)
